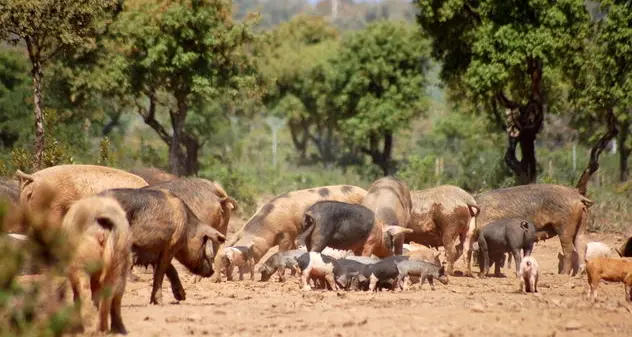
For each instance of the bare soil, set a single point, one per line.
(465, 307)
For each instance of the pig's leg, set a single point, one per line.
(117, 320)
(95, 288)
(160, 269)
(401, 281)
(580, 241)
(281, 273)
(305, 279)
(509, 260)
(450, 251)
(593, 283)
(75, 285)
(241, 272)
(104, 313)
(329, 278)
(535, 283)
(176, 286)
(517, 258)
(567, 249)
(373, 283)
(229, 271)
(431, 282)
(482, 248)
(497, 260)
(251, 266)
(466, 239)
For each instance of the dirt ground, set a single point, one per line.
(464, 307)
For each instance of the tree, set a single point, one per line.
(496, 52)
(378, 85)
(47, 27)
(179, 55)
(14, 96)
(296, 67)
(602, 82)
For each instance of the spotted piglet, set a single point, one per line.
(240, 257)
(317, 266)
(528, 274)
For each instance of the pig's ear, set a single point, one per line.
(231, 203)
(23, 178)
(524, 224)
(396, 230)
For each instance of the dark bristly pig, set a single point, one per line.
(439, 216)
(505, 236)
(163, 227)
(422, 269)
(279, 221)
(278, 262)
(381, 273)
(344, 226)
(153, 176)
(553, 209)
(346, 271)
(389, 199)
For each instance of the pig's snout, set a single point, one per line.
(443, 279)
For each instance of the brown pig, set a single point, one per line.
(99, 233)
(279, 221)
(73, 182)
(609, 269)
(153, 176)
(553, 209)
(423, 253)
(389, 199)
(164, 227)
(439, 216)
(207, 199)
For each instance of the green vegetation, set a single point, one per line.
(434, 92)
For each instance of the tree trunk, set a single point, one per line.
(381, 158)
(523, 124)
(299, 132)
(183, 149)
(593, 164)
(624, 151)
(37, 75)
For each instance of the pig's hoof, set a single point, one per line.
(180, 295)
(155, 302)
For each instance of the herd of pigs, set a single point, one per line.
(333, 237)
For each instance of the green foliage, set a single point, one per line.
(15, 93)
(380, 73)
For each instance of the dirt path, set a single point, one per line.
(465, 307)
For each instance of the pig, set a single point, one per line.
(207, 199)
(317, 265)
(608, 269)
(278, 262)
(528, 274)
(422, 269)
(341, 225)
(279, 221)
(475, 252)
(593, 249)
(439, 216)
(384, 271)
(163, 227)
(72, 183)
(553, 209)
(346, 271)
(99, 232)
(505, 235)
(239, 257)
(424, 254)
(364, 259)
(153, 176)
(389, 199)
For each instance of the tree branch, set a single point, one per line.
(150, 119)
(593, 164)
(111, 124)
(497, 117)
(510, 155)
(509, 104)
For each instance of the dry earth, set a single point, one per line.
(465, 307)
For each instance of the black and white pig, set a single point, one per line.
(422, 269)
(381, 274)
(278, 262)
(317, 266)
(505, 236)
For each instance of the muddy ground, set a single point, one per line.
(464, 307)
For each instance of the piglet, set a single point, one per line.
(528, 274)
(316, 266)
(277, 263)
(240, 257)
(609, 269)
(422, 269)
